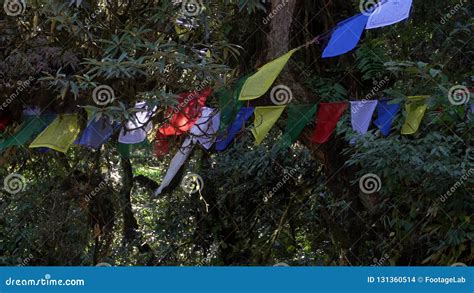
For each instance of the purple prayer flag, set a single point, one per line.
(361, 115)
(96, 133)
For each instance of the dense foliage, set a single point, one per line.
(259, 205)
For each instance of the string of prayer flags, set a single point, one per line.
(242, 117)
(361, 115)
(388, 13)
(415, 108)
(346, 36)
(97, 132)
(229, 103)
(60, 134)
(176, 164)
(186, 113)
(31, 126)
(326, 121)
(205, 129)
(265, 118)
(259, 83)
(386, 113)
(137, 128)
(298, 117)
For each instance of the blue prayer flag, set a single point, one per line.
(96, 133)
(243, 115)
(346, 36)
(386, 113)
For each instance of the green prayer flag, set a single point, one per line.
(229, 103)
(32, 126)
(125, 150)
(298, 117)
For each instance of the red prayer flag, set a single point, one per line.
(326, 120)
(186, 113)
(4, 122)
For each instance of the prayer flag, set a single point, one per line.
(59, 135)
(242, 117)
(259, 83)
(388, 13)
(176, 163)
(265, 118)
(298, 117)
(361, 115)
(96, 133)
(186, 113)
(136, 130)
(385, 115)
(346, 36)
(205, 129)
(33, 125)
(326, 120)
(416, 108)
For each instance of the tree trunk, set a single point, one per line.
(130, 224)
(329, 154)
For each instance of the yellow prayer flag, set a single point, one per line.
(60, 134)
(416, 108)
(265, 118)
(259, 83)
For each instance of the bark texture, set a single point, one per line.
(329, 155)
